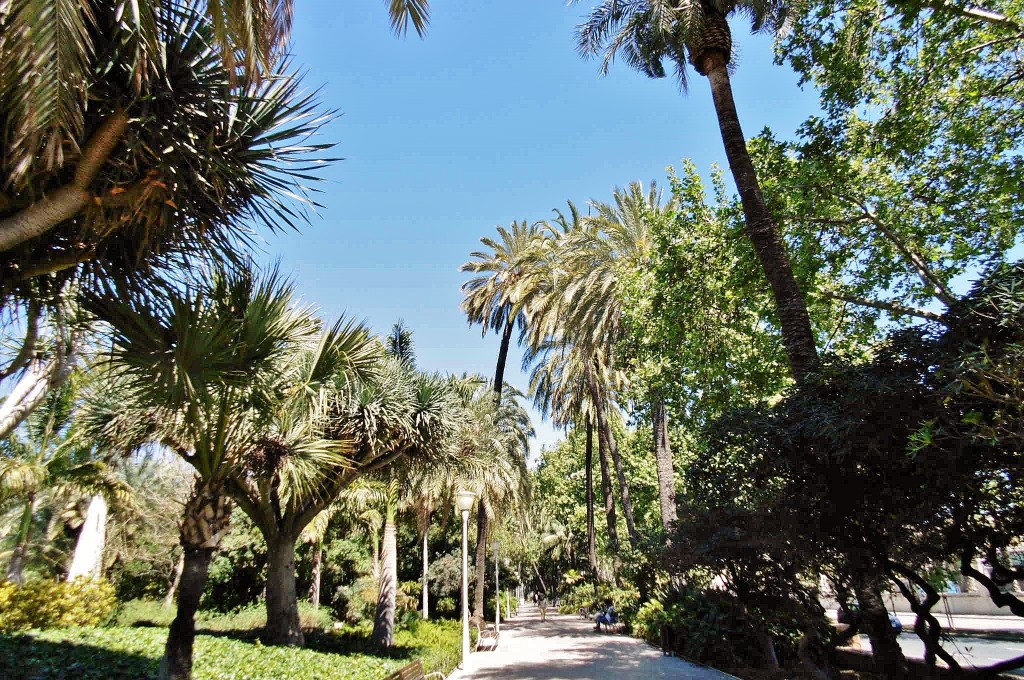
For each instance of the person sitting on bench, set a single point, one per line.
(607, 617)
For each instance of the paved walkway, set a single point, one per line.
(567, 648)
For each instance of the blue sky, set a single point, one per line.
(493, 117)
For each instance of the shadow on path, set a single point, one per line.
(567, 648)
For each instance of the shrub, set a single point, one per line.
(55, 604)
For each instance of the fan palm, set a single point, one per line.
(649, 32)
(403, 421)
(159, 170)
(189, 364)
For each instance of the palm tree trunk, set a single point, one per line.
(179, 567)
(481, 559)
(606, 475)
(620, 474)
(591, 533)
(384, 620)
(20, 555)
(762, 229)
(283, 625)
(177, 661)
(499, 370)
(605, 436)
(318, 567)
(206, 519)
(426, 566)
(663, 457)
(88, 557)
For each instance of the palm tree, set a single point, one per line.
(49, 53)
(405, 420)
(499, 433)
(559, 388)
(50, 457)
(299, 463)
(649, 32)
(507, 282)
(189, 364)
(167, 157)
(628, 222)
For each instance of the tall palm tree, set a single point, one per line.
(628, 223)
(189, 365)
(507, 281)
(558, 387)
(649, 32)
(404, 424)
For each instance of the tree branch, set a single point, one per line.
(926, 625)
(972, 12)
(929, 278)
(999, 598)
(891, 306)
(28, 347)
(68, 200)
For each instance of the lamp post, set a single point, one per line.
(497, 591)
(464, 502)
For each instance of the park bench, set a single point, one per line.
(414, 671)
(485, 634)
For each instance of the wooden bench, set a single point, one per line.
(414, 671)
(485, 633)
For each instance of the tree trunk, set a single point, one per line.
(318, 567)
(885, 649)
(384, 620)
(605, 436)
(426, 567)
(762, 229)
(499, 370)
(206, 519)
(482, 525)
(663, 456)
(179, 567)
(20, 555)
(177, 661)
(88, 558)
(606, 476)
(591, 532)
(283, 626)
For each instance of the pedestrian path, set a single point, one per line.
(567, 648)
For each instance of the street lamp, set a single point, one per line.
(497, 591)
(464, 502)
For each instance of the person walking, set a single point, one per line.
(542, 603)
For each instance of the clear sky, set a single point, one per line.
(493, 117)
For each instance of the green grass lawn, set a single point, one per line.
(134, 652)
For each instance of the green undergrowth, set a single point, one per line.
(120, 652)
(251, 618)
